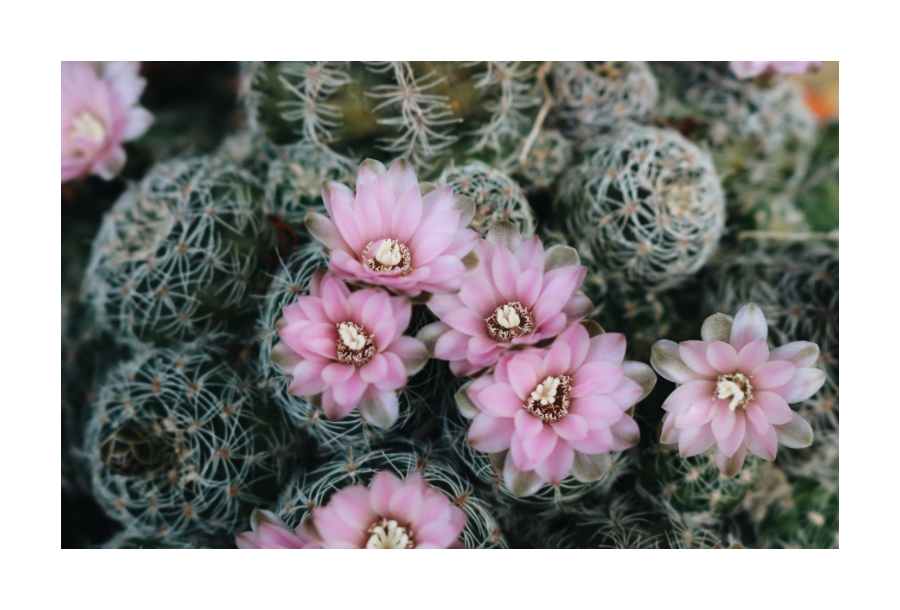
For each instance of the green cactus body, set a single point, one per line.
(176, 259)
(180, 445)
(759, 134)
(594, 96)
(496, 196)
(647, 203)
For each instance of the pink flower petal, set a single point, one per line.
(773, 406)
(695, 441)
(527, 425)
(596, 378)
(625, 433)
(500, 400)
(597, 411)
(528, 287)
(522, 377)
(722, 356)
(757, 417)
(539, 446)
(596, 442)
(382, 488)
(753, 355)
(803, 384)
(748, 326)
(505, 271)
(694, 355)
(735, 439)
(730, 466)
(764, 445)
(571, 427)
(772, 375)
(688, 394)
(351, 505)
(802, 353)
(490, 434)
(558, 464)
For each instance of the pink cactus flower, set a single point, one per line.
(750, 69)
(734, 392)
(393, 232)
(100, 111)
(557, 410)
(518, 296)
(270, 532)
(390, 514)
(348, 348)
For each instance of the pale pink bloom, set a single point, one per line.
(386, 233)
(270, 532)
(518, 296)
(734, 392)
(100, 111)
(349, 348)
(557, 410)
(750, 69)
(390, 514)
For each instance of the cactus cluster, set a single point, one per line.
(683, 190)
(180, 444)
(177, 258)
(647, 203)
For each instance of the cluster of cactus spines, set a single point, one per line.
(496, 196)
(294, 181)
(806, 517)
(648, 203)
(760, 135)
(313, 488)
(510, 95)
(180, 444)
(593, 96)
(423, 111)
(546, 160)
(177, 256)
(695, 484)
(313, 83)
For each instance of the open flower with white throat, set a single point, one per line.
(349, 349)
(734, 392)
(394, 232)
(557, 410)
(390, 514)
(100, 111)
(518, 295)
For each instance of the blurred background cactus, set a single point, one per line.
(685, 190)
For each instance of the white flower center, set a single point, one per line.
(351, 337)
(86, 125)
(388, 534)
(736, 387)
(545, 393)
(388, 253)
(507, 317)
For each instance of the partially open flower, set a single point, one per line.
(393, 232)
(734, 392)
(751, 69)
(557, 410)
(270, 532)
(518, 296)
(390, 514)
(349, 348)
(100, 111)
